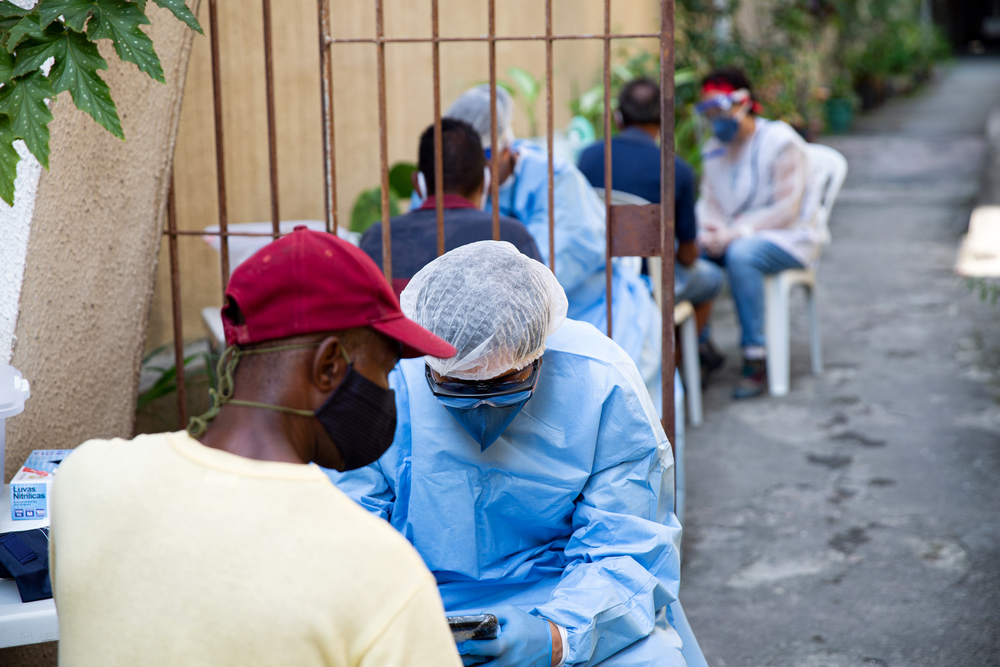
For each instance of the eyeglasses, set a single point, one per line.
(522, 381)
(722, 103)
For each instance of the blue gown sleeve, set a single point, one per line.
(623, 565)
(579, 217)
(368, 487)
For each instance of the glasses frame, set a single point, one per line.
(483, 389)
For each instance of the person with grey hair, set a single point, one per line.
(580, 233)
(530, 471)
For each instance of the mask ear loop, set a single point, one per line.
(487, 182)
(421, 185)
(224, 396)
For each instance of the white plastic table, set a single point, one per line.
(23, 622)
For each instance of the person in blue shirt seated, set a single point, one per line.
(530, 471)
(635, 169)
(580, 233)
(466, 180)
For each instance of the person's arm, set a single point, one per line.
(685, 223)
(708, 211)
(790, 178)
(416, 635)
(579, 219)
(624, 566)
(368, 487)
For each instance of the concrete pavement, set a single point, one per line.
(857, 520)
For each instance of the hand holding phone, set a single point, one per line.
(481, 626)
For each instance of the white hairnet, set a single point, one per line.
(495, 305)
(473, 106)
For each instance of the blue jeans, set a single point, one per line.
(747, 261)
(697, 283)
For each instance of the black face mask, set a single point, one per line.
(360, 418)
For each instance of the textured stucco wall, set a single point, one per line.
(90, 265)
(91, 256)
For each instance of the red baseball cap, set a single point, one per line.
(312, 282)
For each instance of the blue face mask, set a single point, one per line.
(725, 128)
(485, 419)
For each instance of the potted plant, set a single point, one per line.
(840, 105)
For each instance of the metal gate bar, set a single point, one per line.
(629, 232)
(272, 132)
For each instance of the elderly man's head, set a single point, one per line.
(473, 106)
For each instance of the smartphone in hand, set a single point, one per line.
(483, 626)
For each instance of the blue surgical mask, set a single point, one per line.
(485, 419)
(725, 128)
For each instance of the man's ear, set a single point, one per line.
(329, 365)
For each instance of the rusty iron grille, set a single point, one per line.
(632, 231)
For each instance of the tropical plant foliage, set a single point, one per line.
(52, 48)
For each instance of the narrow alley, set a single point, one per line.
(855, 521)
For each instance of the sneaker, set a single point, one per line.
(754, 380)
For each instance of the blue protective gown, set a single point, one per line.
(580, 236)
(580, 239)
(558, 516)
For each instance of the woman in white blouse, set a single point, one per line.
(755, 213)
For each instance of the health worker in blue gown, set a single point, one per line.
(579, 234)
(530, 471)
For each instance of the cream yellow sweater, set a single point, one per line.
(166, 552)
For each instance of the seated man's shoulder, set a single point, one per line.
(509, 224)
(594, 151)
(365, 537)
(372, 237)
(682, 170)
(110, 456)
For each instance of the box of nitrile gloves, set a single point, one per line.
(29, 490)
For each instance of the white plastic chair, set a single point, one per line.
(683, 319)
(829, 171)
(690, 363)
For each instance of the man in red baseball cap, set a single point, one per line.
(232, 548)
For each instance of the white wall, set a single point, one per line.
(15, 224)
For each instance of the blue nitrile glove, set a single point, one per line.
(524, 641)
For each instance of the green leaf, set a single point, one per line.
(8, 9)
(77, 62)
(526, 83)
(141, 3)
(26, 27)
(180, 9)
(399, 179)
(119, 21)
(74, 12)
(6, 66)
(9, 158)
(23, 101)
(33, 53)
(367, 209)
(623, 73)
